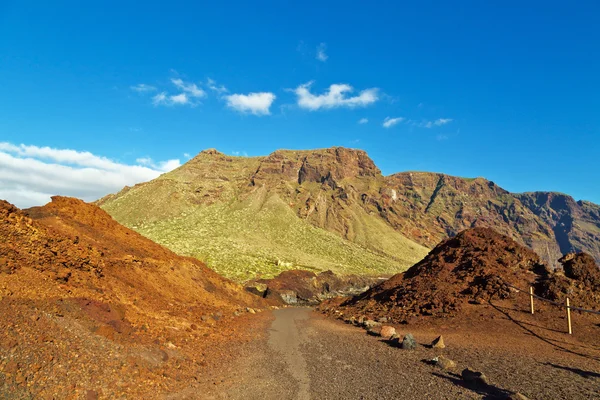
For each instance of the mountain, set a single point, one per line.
(89, 306)
(333, 209)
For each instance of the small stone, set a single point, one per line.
(382, 320)
(387, 331)
(91, 395)
(204, 318)
(474, 377)
(250, 310)
(370, 324)
(438, 343)
(409, 342)
(444, 363)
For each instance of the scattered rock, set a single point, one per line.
(438, 343)
(382, 320)
(474, 378)
(444, 363)
(409, 342)
(387, 331)
(250, 310)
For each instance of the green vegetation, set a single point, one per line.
(243, 240)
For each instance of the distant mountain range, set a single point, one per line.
(333, 209)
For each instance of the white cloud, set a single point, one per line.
(142, 88)
(363, 121)
(321, 55)
(334, 97)
(29, 175)
(254, 103)
(212, 85)
(188, 88)
(389, 122)
(431, 124)
(240, 153)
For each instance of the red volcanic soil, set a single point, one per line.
(91, 308)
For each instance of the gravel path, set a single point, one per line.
(307, 356)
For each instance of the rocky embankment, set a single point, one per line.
(300, 287)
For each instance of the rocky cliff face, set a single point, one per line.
(342, 191)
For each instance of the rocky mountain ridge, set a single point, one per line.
(392, 219)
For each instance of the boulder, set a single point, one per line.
(409, 342)
(438, 343)
(387, 331)
(474, 378)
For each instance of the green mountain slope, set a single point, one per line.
(211, 210)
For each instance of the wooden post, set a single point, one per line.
(569, 317)
(531, 299)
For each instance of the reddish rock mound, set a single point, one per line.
(471, 267)
(89, 305)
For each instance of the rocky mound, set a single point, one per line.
(300, 287)
(88, 306)
(579, 280)
(471, 267)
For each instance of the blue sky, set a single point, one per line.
(504, 90)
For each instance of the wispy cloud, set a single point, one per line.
(432, 124)
(251, 103)
(189, 94)
(189, 88)
(334, 97)
(142, 88)
(162, 99)
(389, 122)
(321, 54)
(363, 121)
(212, 85)
(240, 153)
(29, 175)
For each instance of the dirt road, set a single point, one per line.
(306, 356)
